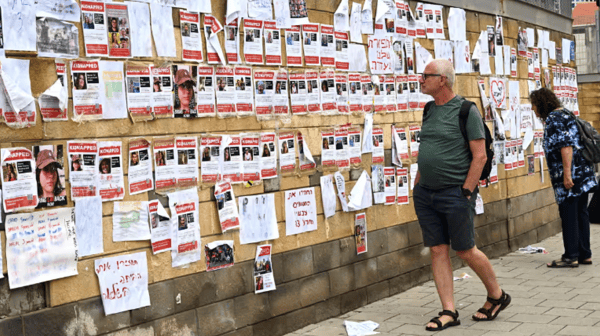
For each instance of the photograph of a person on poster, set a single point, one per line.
(47, 174)
(185, 99)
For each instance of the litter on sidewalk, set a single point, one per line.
(461, 277)
(361, 328)
(532, 249)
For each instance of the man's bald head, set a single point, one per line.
(445, 68)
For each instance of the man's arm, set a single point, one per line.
(567, 158)
(417, 177)
(477, 148)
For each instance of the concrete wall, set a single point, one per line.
(318, 274)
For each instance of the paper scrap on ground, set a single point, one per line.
(123, 282)
(361, 328)
(88, 219)
(462, 276)
(532, 249)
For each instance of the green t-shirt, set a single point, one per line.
(444, 159)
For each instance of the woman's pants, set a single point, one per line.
(576, 227)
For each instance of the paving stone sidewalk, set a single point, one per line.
(545, 301)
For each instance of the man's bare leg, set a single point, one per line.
(481, 265)
(442, 276)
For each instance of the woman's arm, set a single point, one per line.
(567, 158)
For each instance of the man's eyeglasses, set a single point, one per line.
(425, 76)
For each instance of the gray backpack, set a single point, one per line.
(589, 138)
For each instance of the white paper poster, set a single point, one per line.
(115, 102)
(232, 42)
(367, 18)
(360, 232)
(300, 211)
(361, 196)
(16, 102)
(253, 45)
(165, 163)
(293, 46)
(389, 175)
(141, 30)
(210, 166)
(236, 9)
(140, 177)
(40, 246)
(228, 214)
(54, 101)
(162, 30)
(232, 167)
(83, 168)
(340, 17)
(272, 36)
(160, 227)
(219, 254)
(342, 62)
(462, 57)
(61, 45)
(264, 281)
(88, 90)
(19, 190)
(191, 39)
(402, 192)
(282, 13)
(186, 231)
(287, 150)
(355, 23)
(423, 57)
(67, 10)
(268, 156)
(130, 221)
(123, 282)
(380, 55)
(258, 221)
(187, 162)
(328, 195)
(162, 92)
(88, 218)
(244, 91)
(298, 12)
(19, 29)
(457, 21)
(498, 92)
(110, 185)
(214, 52)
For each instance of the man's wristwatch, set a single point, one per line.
(466, 192)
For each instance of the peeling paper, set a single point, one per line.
(67, 10)
(201, 6)
(341, 20)
(328, 195)
(361, 196)
(367, 17)
(17, 103)
(340, 183)
(423, 57)
(141, 30)
(367, 145)
(357, 58)
(53, 102)
(355, 27)
(236, 9)
(457, 22)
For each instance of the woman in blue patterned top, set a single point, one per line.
(571, 175)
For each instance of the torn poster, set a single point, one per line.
(67, 10)
(367, 18)
(340, 183)
(423, 57)
(141, 30)
(228, 212)
(381, 60)
(16, 102)
(64, 42)
(341, 20)
(83, 168)
(123, 282)
(140, 175)
(88, 219)
(268, 156)
(186, 231)
(236, 9)
(163, 31)
(300, 211)
(219, 254)
(54, 101)
(258, 221)
(264, 281)
(499, 31)
(361, 196)
(51, 185)
(88, 90)
(360, 232)
(355, 25)
(260, 9)
(328, 196)
(212, 27)
(19, 28)
(130, 221)
(160, 227)
(385, 18)
(306, 161)
(191, 40)
(253, 46)
(110, 183)
(272, 36)
(40, 246)
(19, 190)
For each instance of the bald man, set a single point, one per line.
(445, 193)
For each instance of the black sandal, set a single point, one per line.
(437, 321)
(503, 302)
(563, 263)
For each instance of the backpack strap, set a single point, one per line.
(465, 108)
(427, 107)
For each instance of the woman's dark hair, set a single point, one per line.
(58, 188)
(545, 102)
(178, 102)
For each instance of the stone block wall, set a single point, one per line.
(318, 274)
